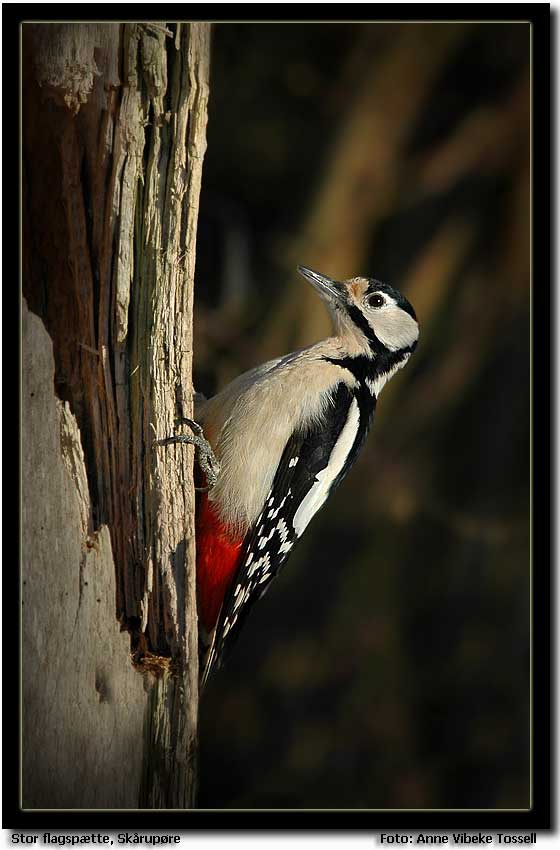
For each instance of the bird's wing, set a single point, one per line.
(313, 463)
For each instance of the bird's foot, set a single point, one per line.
(207, 460)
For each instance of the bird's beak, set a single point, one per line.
(325, 286)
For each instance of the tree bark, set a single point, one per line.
(114, 119)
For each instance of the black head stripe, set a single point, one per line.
(363, 367)
(378, 286)
(362, 323)
(407, 307)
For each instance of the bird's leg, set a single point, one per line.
(207, 460)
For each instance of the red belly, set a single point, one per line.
(217, 556)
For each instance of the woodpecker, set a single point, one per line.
(278, 440)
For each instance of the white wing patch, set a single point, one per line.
(319, 492)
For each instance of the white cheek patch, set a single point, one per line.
(394, 328)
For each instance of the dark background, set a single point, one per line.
(388, 666)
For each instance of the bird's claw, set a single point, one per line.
(207, 460)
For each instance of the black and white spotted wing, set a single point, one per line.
(313, 463)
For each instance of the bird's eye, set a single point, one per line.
(376, 300)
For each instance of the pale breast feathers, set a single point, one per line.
(250, 423)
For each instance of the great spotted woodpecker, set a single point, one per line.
(283, 437)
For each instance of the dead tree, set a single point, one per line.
(114, 120)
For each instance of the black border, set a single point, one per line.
(540, 816)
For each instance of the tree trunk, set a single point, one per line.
(114, 119)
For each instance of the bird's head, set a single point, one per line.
(371, 314)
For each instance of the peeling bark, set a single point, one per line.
(114, 119)
(83, 704)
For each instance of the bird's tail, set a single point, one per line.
(206, 655)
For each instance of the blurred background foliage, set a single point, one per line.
(388, 667)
